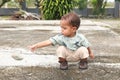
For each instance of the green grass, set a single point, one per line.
(29, 3)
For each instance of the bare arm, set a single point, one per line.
(40, 44)
(90, 53)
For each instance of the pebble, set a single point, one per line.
(17, 56)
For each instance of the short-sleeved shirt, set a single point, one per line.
(72, 43)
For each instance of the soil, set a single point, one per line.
(105, 66)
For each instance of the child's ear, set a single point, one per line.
(74, 28)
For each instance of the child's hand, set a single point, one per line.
(91, 55)
(32, 48)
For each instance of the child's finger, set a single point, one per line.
(31, 48)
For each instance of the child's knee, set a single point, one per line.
(83, 49)
(83, 52)
(61, 51)
(61, 48)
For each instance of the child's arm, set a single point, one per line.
(40, 44)
(90, 53)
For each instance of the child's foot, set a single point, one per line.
(83, 64)
(63, 64)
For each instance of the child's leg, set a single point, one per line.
(83, 55)
(82, 52)
(67, 54)
(61, 53)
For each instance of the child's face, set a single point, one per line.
(67, 29)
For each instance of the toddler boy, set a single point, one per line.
(73, 45)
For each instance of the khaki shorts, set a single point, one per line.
(70, 55)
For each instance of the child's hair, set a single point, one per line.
(72, 18)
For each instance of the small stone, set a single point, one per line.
(17, 56)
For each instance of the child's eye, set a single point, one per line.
(63, 27)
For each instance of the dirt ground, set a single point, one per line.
(105, 45)
(114, 23)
